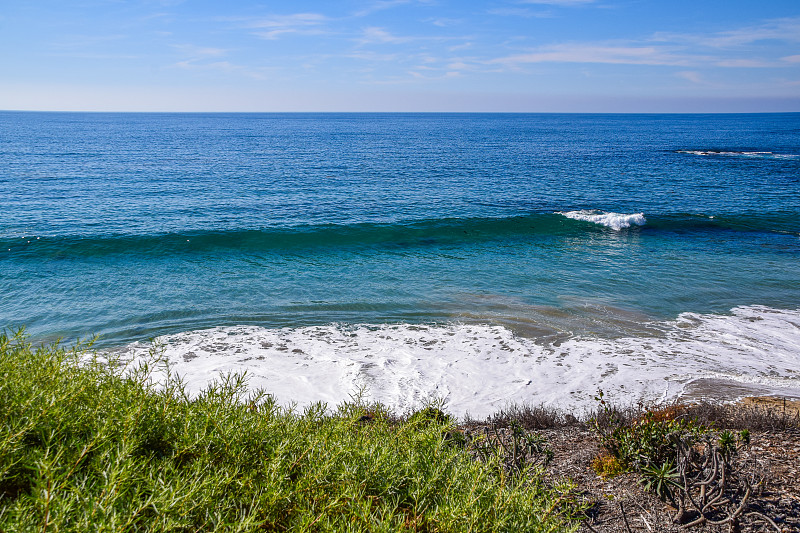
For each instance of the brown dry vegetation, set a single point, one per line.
(620, 503)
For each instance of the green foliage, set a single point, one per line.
(662, 449)
(646, 443)
(662, 479)
(430, 415)
(94, 445)
(744, 437)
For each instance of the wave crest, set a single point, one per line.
(615, 221)
(739, 153)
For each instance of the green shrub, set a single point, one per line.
(607, 466)
(91, 444)
(678, 459)
(647, 442)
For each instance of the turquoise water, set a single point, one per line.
(135, 225)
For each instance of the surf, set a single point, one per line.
(478, 368)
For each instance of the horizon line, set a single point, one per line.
(402, 112)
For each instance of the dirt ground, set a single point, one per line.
(769, 464)
(773, 457)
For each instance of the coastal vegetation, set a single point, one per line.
(692, 466)
(92, 444)
(89, 442)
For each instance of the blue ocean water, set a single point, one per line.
(133, 225)
(505, 245)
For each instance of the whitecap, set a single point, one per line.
(739, 153)
(616, 221)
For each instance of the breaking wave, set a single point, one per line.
(480, 368)
(740, 153)
(390, 236)
(616, 221)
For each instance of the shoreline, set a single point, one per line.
(96, 423)
(479, 368)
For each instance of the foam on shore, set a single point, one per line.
(480, 368)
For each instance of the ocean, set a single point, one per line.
(474, 259)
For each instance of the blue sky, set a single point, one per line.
(401, 55)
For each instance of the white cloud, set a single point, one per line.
(559, 2)
(372, 56)
(272, 35)
(377, 35)
(216, 65)
(744, 63)
(278, 25)
(458, 65)
(444, 76)
(521, 12)
(692, 76)
(598, 53)
(289, 21)
(379, 6)
(458, 47)
(784, 29)
(201, 51)
(224, 67)
(728, 49)
(444, 22)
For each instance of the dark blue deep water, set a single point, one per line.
(135, 225)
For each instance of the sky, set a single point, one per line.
(401, 55)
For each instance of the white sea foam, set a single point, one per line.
(767, 155)
(616, 221)
(480, 368)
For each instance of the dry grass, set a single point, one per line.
(753, 414)
(617, 502)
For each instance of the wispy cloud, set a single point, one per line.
(224, 67)
(462, 46)
(736, 48)
(567, 3)
(422, 76)
(520, 12)
(197, 52)
(444, 22)
(783, 29)
(290, 21)
(375, 35)
(380, 5)
(215, 65)
(745, 63)
(275, 26)
(208, 58)
(692, 76)
(379, 35)
(373, 56)
(597, 53)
